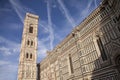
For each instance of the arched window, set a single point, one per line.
(30, 56)
(26, 55)
(30, 28)
(28, 42)
(102, 50)
(70, 62)
(31, 43)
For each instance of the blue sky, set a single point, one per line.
(57, 19)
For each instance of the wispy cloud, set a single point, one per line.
(95, 3)
(50, 23)
(42, 49)
(5, 9)
(66, 13)
(20, 9)
(76, 4)
(8, 47)
(43, 41)
(2, 62)
(45, 28)
(8, 68)
(86, 11)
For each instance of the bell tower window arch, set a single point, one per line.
(31, 28)
(31, 56)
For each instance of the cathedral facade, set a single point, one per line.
(90, 52)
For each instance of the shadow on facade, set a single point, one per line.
(107, 40)
(108, 43)
(38, 71)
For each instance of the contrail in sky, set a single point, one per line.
(95, 3)
(18, 9)
(50, 23)
(86, 11)
(66, 13)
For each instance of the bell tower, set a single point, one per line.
(28, 54)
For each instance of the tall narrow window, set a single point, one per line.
(28, 42)
(31, 43)
(119, 28)
(30, 28)
(102, 50)
(118, 18)
(30, 56)
(71, 66)
(26, 55)
(83, 69)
